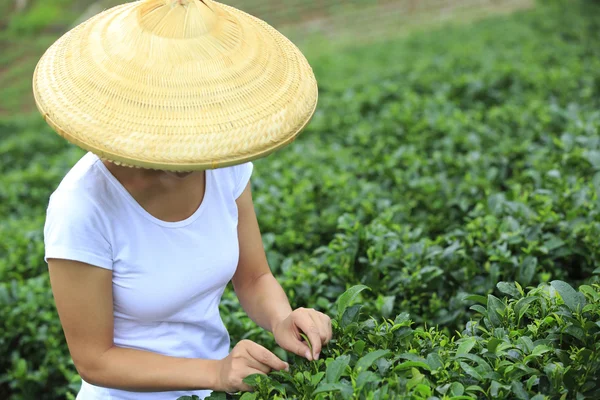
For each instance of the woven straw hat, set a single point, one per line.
(177, 85)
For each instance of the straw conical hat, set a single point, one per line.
(176, 85)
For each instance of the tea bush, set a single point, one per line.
(535, 345)
(456, 173)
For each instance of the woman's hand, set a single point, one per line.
(245, 359)
(314, 324)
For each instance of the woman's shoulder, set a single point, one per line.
(82, 189)
(235, 177)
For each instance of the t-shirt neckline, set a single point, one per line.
(146, 214)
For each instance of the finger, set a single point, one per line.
(253, 363)
(292, 342)
(322, 333)
(322, 325)
(328, 328)
(264, 356)
(307, 325)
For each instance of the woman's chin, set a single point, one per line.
(179, 175)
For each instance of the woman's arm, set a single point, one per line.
(263, 298)
(260, 295)
(83, 296)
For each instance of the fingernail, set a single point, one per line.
(307, 354)
(287, 367)
(317, 356)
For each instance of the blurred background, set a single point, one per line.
(28, 27)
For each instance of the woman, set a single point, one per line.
(172, 99)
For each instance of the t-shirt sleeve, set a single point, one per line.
(74, 230)
(242, 174)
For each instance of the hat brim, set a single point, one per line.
(178, 104)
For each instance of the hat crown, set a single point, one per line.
(178, 19)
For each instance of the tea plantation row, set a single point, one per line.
(455, 173)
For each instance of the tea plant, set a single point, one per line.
(543, 343)
(435, 167)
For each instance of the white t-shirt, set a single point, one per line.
(168, 277)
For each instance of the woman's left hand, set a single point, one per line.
(314, 324)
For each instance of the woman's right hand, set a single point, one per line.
(245, 359)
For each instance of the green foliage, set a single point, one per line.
(533, 345)
(39, 16)
(455, 173)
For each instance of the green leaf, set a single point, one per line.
(411, 364)
(466, 345)
(417, 378)
(527, 343)
(344, 388)
(476, 298)
(316, 378)
(593, 156)
(457, 389)
(366, 361)
(359, 347)
(523, 304)
(519, 390)
(350, 315)
(402, 319)
(254, 379)
(336, 369)
(347, 297)
(475, 388)
(493, 344)
(508, 288)
(471, 371)
(482, 365)
(21, 368)
(365, 377)
(495, 387)
(526, 270)
(554, 243)
(443, 389)
(573, 299)
(480, 309)
(249, 396)
(435, 361)
(588, 290)
(540, 349)
(388, 306)
(495, 309)
(383, 365)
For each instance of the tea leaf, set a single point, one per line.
(411, 364)
(573, 299)
(466, 345)
(508, 288)
(365, 377)
(495, 310)
(519, 390)
(347, 297)
(344, 388)
(336, 369)
(471, 371)
(526, 271)
(435, 361)
(366, 361)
